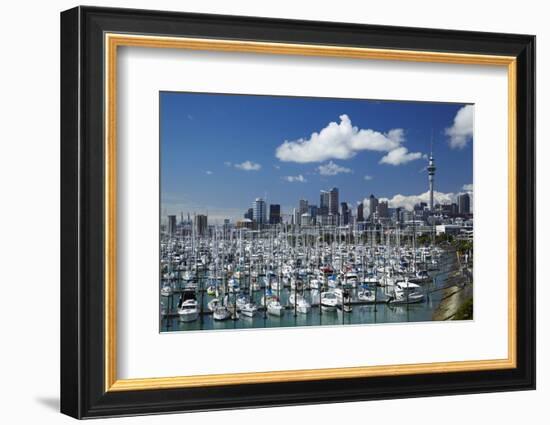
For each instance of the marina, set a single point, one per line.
(288, 276)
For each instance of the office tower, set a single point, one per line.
(360, 216)
(302, 206)
(382, 209)
(274, 214)
(373, 204)
(249, 214)
(312, 211)
(201, 224)
(333, 201)
(260, 213)
(463, 203)
(345, 213)
(323, 203)
(171, 225)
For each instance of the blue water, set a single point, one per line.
(361, 314)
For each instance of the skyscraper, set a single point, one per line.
(333, 201)
(201, 224)
(249, 214)
(313, 210)
(260, 213)
(463, 203)
(345, 213)
(382, 209)
(323, 203)
(373, 204)
(302, 206)
(171, 225)
(274, 214)
(360, 216)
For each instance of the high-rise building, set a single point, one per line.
(344, 214)
(302, 206)
(171, 225)
(463, 203)
(260, 213)
(373, 204)
(360, 216)
(323, 203)
(249, 214)
(296, 217)
(274, 214)
(312, 211)
(333, 201)
(201, 224)
(382, 209)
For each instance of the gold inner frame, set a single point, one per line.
(113, 41)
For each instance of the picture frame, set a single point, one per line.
(90, 39)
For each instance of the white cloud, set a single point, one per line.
(332, 169)
(339, 141)
(277, 167)
(468, 187)
(299, 178)
(248, 166)
(400, 155)
(228, 163)
(409, 201)
(462, 130)
(209, 172)
(368, 178)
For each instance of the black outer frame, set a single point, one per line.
(82, 206)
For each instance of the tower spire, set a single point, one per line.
(431, 172)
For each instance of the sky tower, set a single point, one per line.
(431, 174)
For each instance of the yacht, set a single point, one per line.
(188, 309)
(166, 290)
(249, 309)
(275, 308)
(300, 303)
(329, 301)
(366, 295)
(221, 313)
(407, 293)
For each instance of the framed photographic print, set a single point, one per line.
(261, 212)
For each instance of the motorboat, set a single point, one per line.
(188, 310)
(275, 308)
(249, 309)
(406, 293)
(366, 295)
(329, 301)
(221, 313)
(300, 303)
(166, 290)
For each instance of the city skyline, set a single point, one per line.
(283, 153)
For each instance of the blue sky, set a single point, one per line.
(219, 152)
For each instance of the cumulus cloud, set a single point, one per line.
(400, 155)
(368, 178)
(332, 169)
(468, 187)
(409, 201)
(248, 166)
(292, 179)
(209, 172)
(462, 129)
(339, 141)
